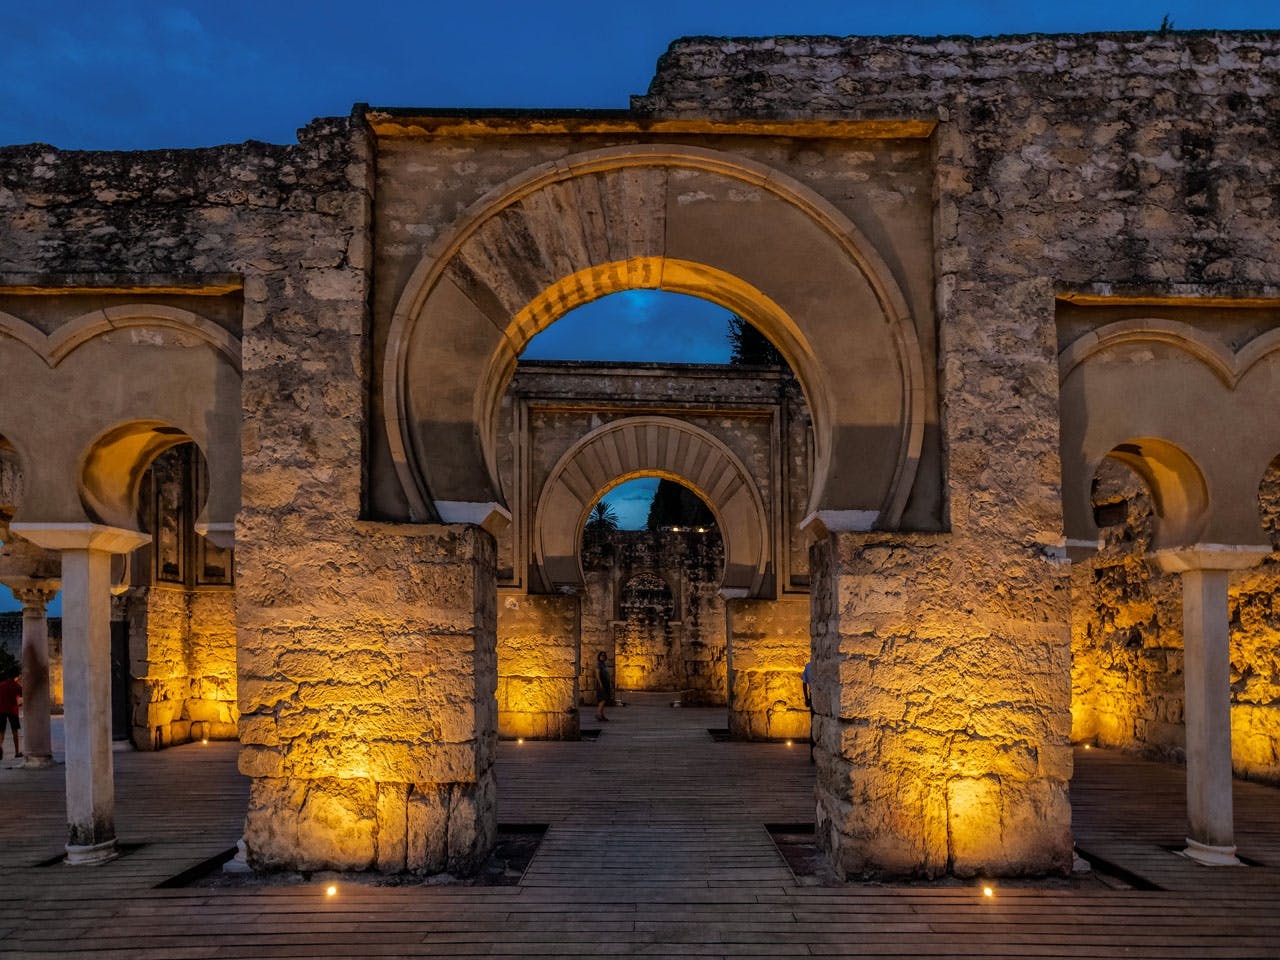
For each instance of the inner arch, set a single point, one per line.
(661, 447)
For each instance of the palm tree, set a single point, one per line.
(602, 523)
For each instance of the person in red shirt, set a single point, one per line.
(10, 697)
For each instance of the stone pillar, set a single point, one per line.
(86, 671)
(941, 692)
(1206, 673)
(769, 644)
(538, 643)
(34, 597)
(367, 708)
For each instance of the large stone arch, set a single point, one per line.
(651, 446)
(679, 218)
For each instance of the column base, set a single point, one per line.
(1210, 855)
(240, 862)
(83, 856)
(37, 763)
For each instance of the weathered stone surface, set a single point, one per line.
(941, 728)
(1127, 637)
(389, 695)
(768, 649)
(538, 667)
(1131, 167)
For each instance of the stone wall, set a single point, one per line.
(1127, 637)
(1130, 164)
(366, 658)
(538, 641)
(182, 665)
(769, 646)
(678, 644)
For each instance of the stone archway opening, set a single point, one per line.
(31, 577)
(651, 598)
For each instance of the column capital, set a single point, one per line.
(1210, 556)
(81, 536)
(823, 523)
(32, 591)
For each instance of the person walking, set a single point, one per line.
(10, 698)
(604, 685)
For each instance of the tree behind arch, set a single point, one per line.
(750, 346)
(675, 505)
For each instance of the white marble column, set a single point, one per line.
(36, 697)
(1206, 671)
(86, 677)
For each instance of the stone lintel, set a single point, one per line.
(115, 284)
(392, 122)
(1211, 556)
(81, 536)
(820, 523)
(492, 516)
(1170, 295)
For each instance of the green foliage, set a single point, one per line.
(750, 346)
(602, 519)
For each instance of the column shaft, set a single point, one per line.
(86, 681)
(1207, 711)
(37, 743)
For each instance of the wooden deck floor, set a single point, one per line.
(656, 847)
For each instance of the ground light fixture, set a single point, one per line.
(331, 890)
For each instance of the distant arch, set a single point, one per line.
(651, 446)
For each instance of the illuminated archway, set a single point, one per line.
(651, 446)
(674, 218)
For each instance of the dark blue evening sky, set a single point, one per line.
(143, 74)
(137, 74)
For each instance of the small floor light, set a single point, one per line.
(330, 890)
(988, 892)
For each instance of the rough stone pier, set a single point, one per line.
(656, 847)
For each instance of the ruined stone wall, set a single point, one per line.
(760, 414)
(678, 644)
(1127, 683)
(538, 666)
(1102, 164)
(181, 665)
(768, 648)
(940, 742)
